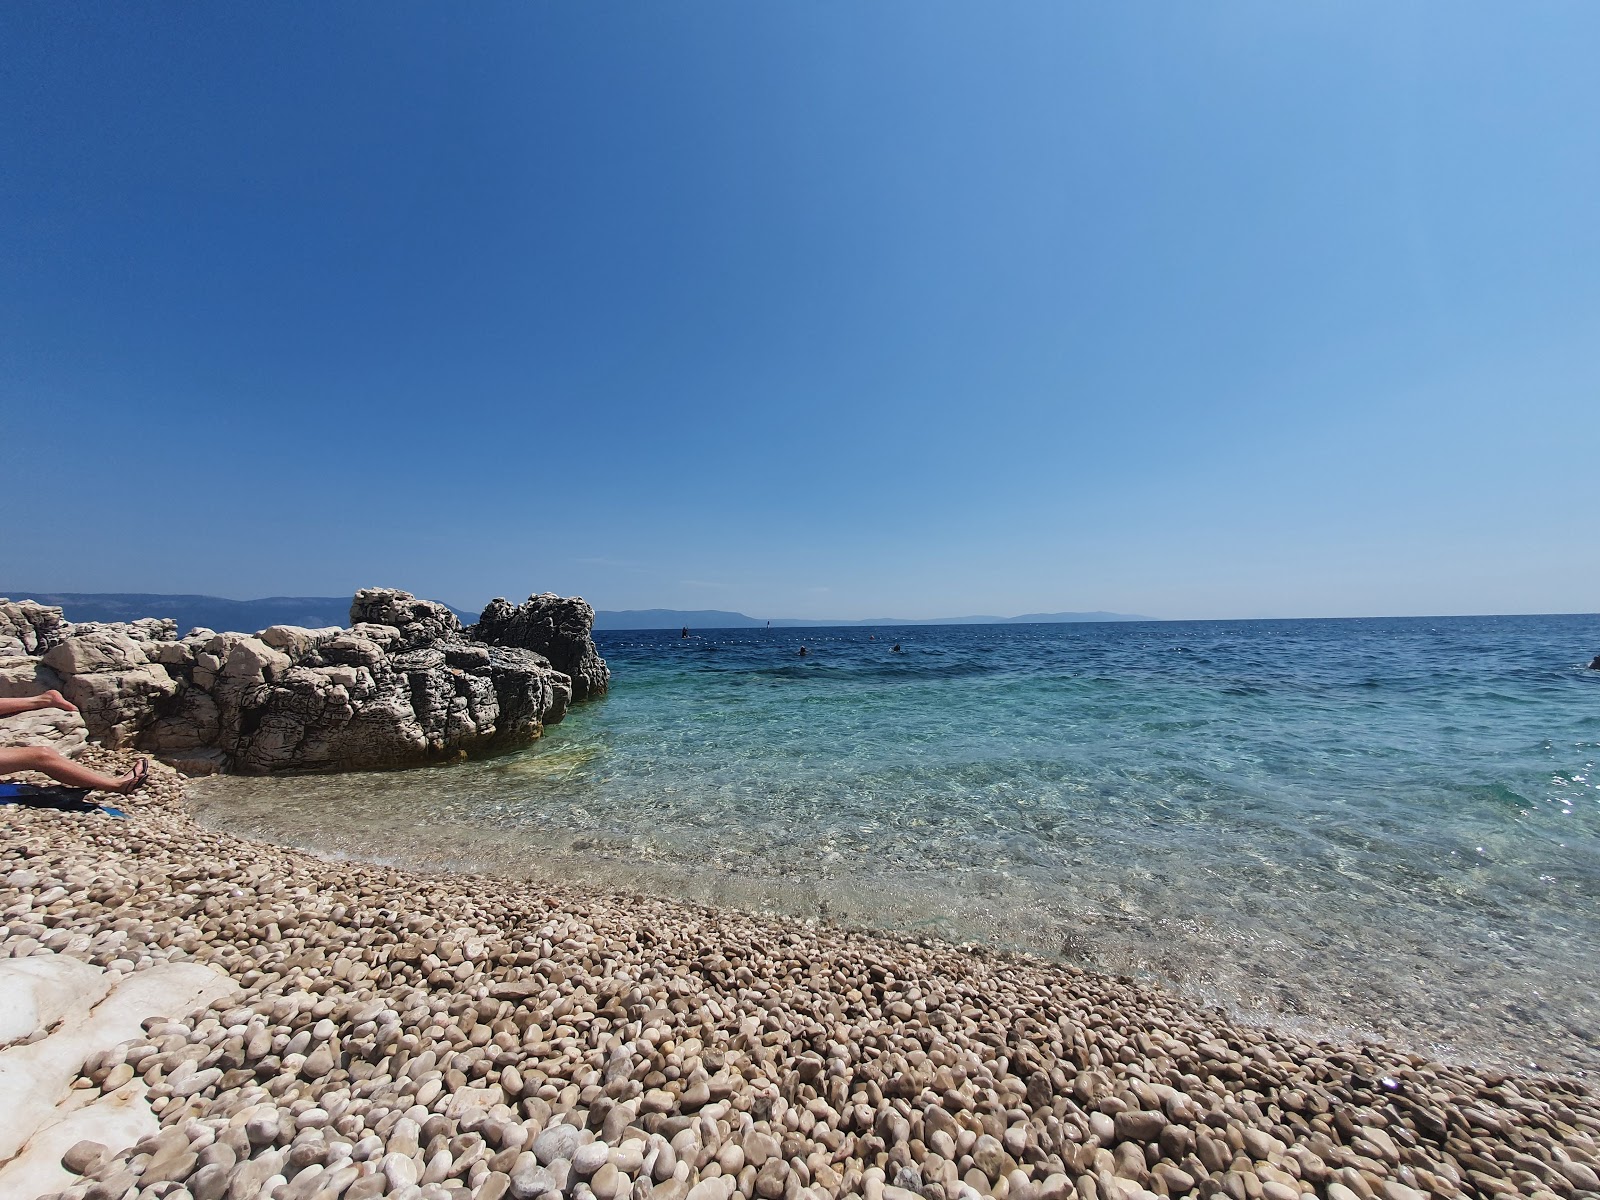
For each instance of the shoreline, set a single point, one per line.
(1248, 974)
(668, 886)
(692, 1045)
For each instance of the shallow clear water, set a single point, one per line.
(1376, 826)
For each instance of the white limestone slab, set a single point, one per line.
(115, 1121)
(85, 1013)
(42, 990)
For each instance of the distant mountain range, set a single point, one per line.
(248, 616)
(712, 618)
(212, 612)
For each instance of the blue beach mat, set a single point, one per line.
(61, 799)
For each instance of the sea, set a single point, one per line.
(1346, 829)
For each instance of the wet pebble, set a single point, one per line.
(440, 1038)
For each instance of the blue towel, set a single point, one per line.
(62, 799)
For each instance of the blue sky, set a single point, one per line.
(828, 309)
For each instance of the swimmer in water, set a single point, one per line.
(896, 649)
(804, 652)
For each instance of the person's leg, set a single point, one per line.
(48, 762)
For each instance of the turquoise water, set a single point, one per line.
(1386, 827)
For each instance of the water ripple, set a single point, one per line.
(1380, 826)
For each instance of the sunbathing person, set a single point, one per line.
(60, 768)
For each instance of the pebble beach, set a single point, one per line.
(389, 1033)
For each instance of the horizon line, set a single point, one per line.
(1088, 616)
(844, 623)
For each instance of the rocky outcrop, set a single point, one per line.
(557, 627)
(403, 686)
(63, 732)
(29, 628)
(22, 674)
(417, 623)
(106, 673)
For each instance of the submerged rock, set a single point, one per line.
(404, 685)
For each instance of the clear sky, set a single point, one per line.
(820, 309)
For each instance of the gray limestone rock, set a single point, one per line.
(192, 724)
(405, 685)
(29, 628)
(63, 732)
(418, 622)
(401, 687)
(295, 640)
(105, 672)
(560, 628)
(26, 676)
(92, 650)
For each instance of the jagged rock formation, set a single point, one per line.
(29, 628)
(106, 672)
(557, 627)
(404, 685)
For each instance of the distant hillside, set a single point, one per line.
(1062, 618)
(212, 612)
(673, 618)
(248, 616)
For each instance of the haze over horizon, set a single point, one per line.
(919, 310)
(130, 606)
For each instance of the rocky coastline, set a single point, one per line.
(437, 1037)
(406, 684)
(190, 1015)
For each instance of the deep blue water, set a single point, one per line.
(1384, 826)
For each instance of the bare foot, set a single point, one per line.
(57, 700)
(134, 779)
